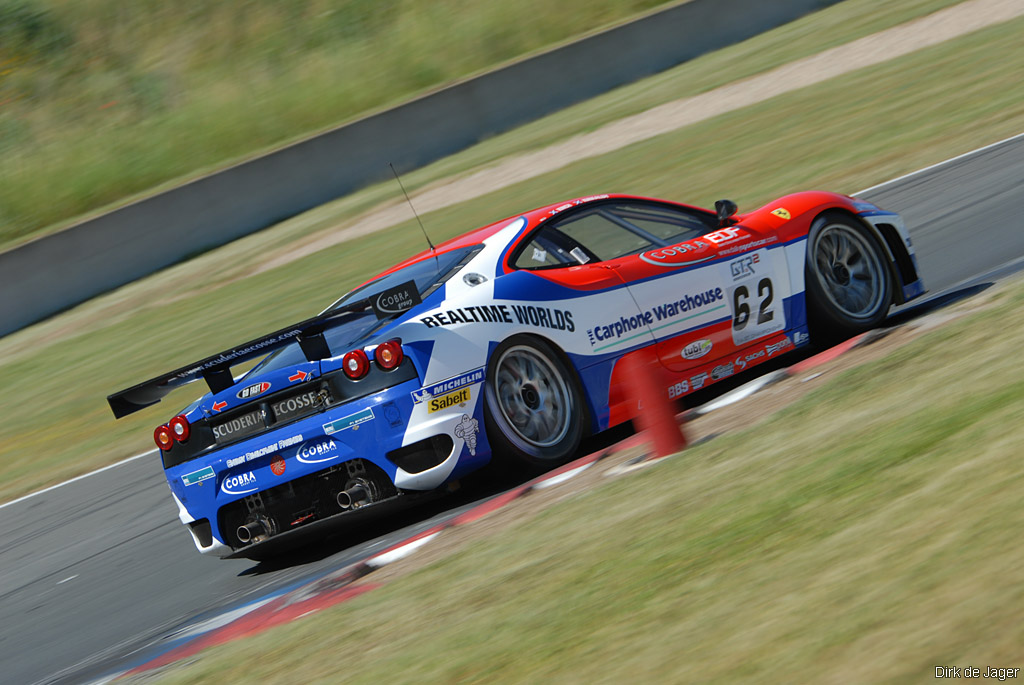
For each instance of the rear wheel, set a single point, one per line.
(533, 404)
(848, 281)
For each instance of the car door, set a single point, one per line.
(704, 292)
(606, 315)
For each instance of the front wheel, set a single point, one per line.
(848, 281)
(533, 404)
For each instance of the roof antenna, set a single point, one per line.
(432, 248)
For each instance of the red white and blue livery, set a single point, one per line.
(507, 344)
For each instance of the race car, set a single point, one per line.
(507, 345)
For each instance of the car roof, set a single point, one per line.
(477, 236)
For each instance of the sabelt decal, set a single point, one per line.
(241, 484)
(697, 349)
(524, 315)
(351, 421)
(467, 429)
(459, 397)
(316, 451)
(426, 393)
(252, 390)
(198, 476)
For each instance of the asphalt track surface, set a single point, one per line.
(100, 568)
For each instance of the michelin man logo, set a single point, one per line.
(467, 430)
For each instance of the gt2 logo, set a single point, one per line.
(741, 309)
(744, 266)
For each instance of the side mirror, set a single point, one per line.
(725, 210)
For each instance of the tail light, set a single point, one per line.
(180, 428)
(388, 355)
(355, 364)
(163, 437)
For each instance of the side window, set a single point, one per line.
(668, 224)
(609, 230)
(598, 231)
(545, 250)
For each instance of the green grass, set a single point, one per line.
(112, 99)
(867, 533)
(842, 135)
(101, 99)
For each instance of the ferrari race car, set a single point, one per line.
(507, 344)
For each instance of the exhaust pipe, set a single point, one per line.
(252, 530)
(354, 496)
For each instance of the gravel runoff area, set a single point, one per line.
(880, 47)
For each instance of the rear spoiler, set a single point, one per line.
(216, 370)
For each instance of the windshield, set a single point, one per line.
(428, 274)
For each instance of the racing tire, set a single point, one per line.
(533, 406)
(847, 277)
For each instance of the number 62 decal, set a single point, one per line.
(755, 311)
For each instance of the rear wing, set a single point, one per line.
(216, 370)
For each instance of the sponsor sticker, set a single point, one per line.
(198, 476)
(392, 415)
(241, 484)
(778, 347)
(265, 450)
(425, 394)
(678, 390)
(467, 429)
(685, 307)
(523, 314)
(460, 397)
(240, 426)
(697, 349)
(351, 421)
(277, 465)
(743, 360)
(745, 266)
(721, 371)
(697, 382)
(395, 300)
(252, 390)
(316, 451)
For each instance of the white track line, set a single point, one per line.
(866, 190)
(84, 475)
(944, 162)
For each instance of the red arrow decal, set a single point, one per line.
(298, 376)
(217, 406)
